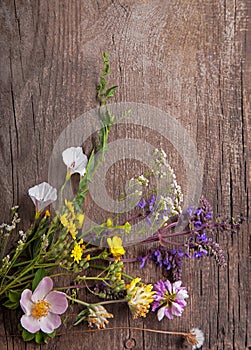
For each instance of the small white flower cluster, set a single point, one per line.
(6, 229)
(171, 195)
(22, 240)
(5, 264)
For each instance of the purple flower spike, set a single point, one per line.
(169, 299)
(42, 307)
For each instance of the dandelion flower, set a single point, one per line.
(198, 338)
(42, 307)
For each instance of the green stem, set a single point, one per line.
(77, 301)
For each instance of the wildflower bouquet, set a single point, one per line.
(58, 244)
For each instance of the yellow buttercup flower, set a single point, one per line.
(116, 248)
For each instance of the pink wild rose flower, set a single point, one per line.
(42, 307)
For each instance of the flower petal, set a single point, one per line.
(161, 313)
(30, 323)
(176, 309)
(43, 288)
(182, 294)
(58, 302)
(168, 313)
(26, 302)
(49, 323)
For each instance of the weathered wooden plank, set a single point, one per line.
(189, 58)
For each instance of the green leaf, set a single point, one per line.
(53, 334)
(110, 92)
(11, 305)
(102, 85)
(27, 336)
(14, 296)
(39, 337)
(39, 275)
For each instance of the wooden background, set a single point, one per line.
(188, 57)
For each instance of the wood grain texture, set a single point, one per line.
(190, 58)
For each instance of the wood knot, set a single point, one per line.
(130, 343)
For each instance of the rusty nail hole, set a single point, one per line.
(130, 343)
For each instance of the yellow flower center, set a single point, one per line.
(40, 309)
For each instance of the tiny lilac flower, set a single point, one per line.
(148, 221)
(157, 258)
(190, 211)
(142, 260)
(198, 224)
(75, 160)
(42, 307)
(203, 237)
(169, 299)
(42, 195)
(142, 203)
(209, 215)
(151, 203)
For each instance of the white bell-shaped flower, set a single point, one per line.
(42, 195)
(75, 160)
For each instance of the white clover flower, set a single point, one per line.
(42, 195)
(75, 160)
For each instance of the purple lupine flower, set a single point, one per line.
(169, 299)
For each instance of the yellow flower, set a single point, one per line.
(72, 229)
(79, 220)
(109, 222)
(64, 221)
(47, 214)
(88, 257)
(127, 227)
(139, 296)
(116, 248)
(70, 207)
(76, 253)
